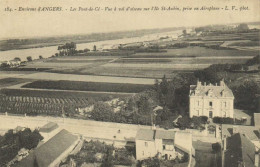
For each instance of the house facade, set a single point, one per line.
(211, 100)
(164, 144)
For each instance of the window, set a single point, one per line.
(146, 144)
(163, 147)
(225, 104)
(210, 104)
(198, 103)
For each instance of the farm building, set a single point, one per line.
(211, 100)
(52, 152)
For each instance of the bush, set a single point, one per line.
(29, 58)
(220, 120)
(204, 119)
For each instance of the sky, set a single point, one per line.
(17, 24)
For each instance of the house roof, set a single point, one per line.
(150, 135)
(210, 90)
(250, 131)
(50, 126)
(164, 134)
(257, 119)
(239, 150)
(45, 154)
(145, 134)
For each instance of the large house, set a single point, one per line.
(211, 100)
(163, 143)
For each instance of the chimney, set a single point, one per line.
(216, 84)
(222, 83)
(205, 84)
(198, 83)
(256, 159)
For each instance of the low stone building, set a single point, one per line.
(163, 143)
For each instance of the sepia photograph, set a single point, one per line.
(129, 83)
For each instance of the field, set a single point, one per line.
(5, 82)
(138, 65)
(88, 86)
(86, 78)
(197, 52)
(33, 102)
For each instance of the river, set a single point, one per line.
(51, 50)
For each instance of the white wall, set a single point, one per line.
(143, 152)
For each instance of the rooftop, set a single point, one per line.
(145, 134)
(250, 131)
(45, 154)
(216, 90)
(240, 150)
(150, 135)
(50, 126)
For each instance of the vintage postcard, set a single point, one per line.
(129, 83)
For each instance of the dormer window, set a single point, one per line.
(210, 92)
(223, 93)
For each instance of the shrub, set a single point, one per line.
(220, 120)
(29, 58)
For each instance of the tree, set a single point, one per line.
(29, 58)
(40, 57)
(94, 48)
(144, 105)
(102, 112)
(86, 50)
(184, 32)
(184, 122)
(67, 49)
(17, 59)
(242, 27)
(108, 159)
